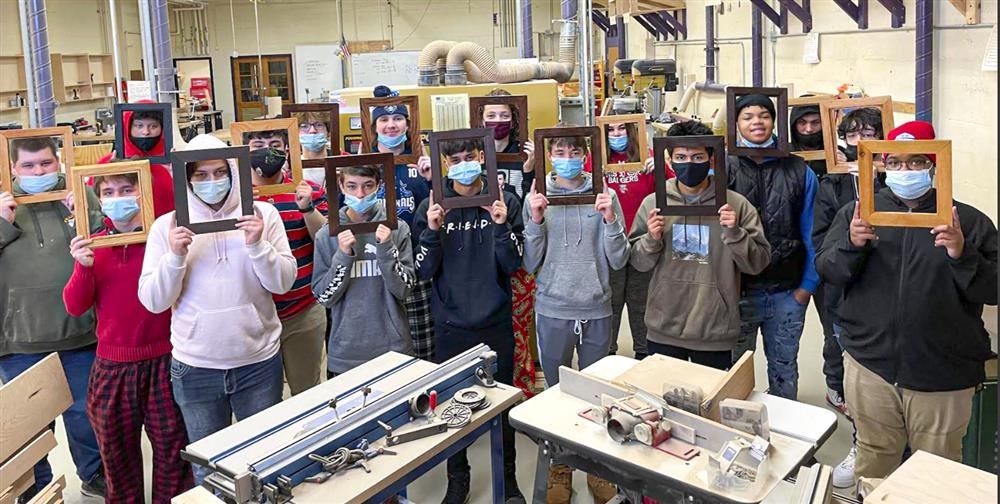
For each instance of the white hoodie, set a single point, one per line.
(220, 292)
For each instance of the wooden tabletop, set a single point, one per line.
(929, 479)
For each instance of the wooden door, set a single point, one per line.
(252, 83)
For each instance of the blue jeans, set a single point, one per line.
(780, 319)
(79, 433)
(208, 398)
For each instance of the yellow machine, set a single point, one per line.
(646, 80)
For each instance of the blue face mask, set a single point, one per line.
(618, 144)
(360, 205)
(907, 184)
(466, 172)
(34, 184)
(769, 143)
(568, 168)
(392, 142)
(212, 191)
(313, 142)
(120, 209)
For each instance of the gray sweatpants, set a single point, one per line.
(557, 338)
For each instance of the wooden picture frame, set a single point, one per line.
(145, 183)
(867, 149)
(780, 96)
(643, 148)
(413, 136)
(596, 162)
(166, 111)
(291, 126)
(516, 102)
(332, 127)
(817, 100)
(489, 162)
(719, 177)
(383, 159)
(65, 156)
(179, 161)
(829, 108)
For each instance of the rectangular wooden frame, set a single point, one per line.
(596, 162)
(817, 100)
(333, 127)
(80, 174)
(236, 131)
(167, 126)
(413, 133)
(65, 158)
(383, 159)
(780, 126)
(490, 162)
(640, 120)
(179, 161)
(884, 103)
(519, 102)
(942, 176)
(719, 178)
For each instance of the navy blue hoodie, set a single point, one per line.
(470, 260)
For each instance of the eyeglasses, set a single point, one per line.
(863, 135)
(913, 164)
(318, 126)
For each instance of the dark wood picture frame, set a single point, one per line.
(516, 102)
(780, 122)
(827, 109)
(867, 149)
(596, 162)
(817, 100)
(719, 177)
(637, 119)
(65, 156)
(291, 127)
(489, 162)
(412, 104)
(332, 127)
(179, 161)
(383, 159)
(166, 123)
(81, 210)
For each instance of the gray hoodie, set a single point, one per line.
(365, 293)
(572, 253)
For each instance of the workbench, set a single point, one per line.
(929, 479)
(552, 419)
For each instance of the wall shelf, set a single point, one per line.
(89, 75)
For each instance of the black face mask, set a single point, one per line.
(267, 162)
(691, 174)
(813, 141)
(145, 144)
(851, 151)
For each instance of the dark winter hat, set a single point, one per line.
(382, 92)
(756, 99)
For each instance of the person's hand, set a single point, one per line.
(303, 196)
(861, 231)
(801, 296)
(537, 203)
(435, 214)
(79, 249)
(423, 167)
(840, 156)
(69, 202)
(382, 233)
(727, 216)
(346, 240)
(647, 166)
(529, 164)
(950, 236)
(7, 206)
(655, 223)
(251, 225)
(605, 205)
(179, 238)
(498, 210)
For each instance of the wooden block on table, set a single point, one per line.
(24, 460)
(929, 479)
(51, 494)
(31, 402)
(197, 495)
(10, 494)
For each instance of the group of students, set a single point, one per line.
(192, 329)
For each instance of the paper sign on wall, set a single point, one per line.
(138, 90)
(810, 52)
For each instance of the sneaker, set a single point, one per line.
(602, 489)
(835, 399)
(96, 487)
(843, 474)
(28, 494)
(512, 492)
(458, 489)
(560, 487)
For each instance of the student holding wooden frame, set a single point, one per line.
(805, 135)
(37, 163)
(319, 132)
(275, 154)
(507, 115)
(144, 130)
(465, 154)
(861, 124)
(125, 191)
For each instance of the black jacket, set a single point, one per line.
(909, 312)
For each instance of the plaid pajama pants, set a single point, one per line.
(418, 313)
(122, 398)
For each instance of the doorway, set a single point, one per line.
(195, 78)
(251, 83)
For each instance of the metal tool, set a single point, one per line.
(343, 459)
(457, 415)
(484, 375)
(434, 402)
(420, 405)
(393, 438)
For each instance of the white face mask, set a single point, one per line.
(315, 175)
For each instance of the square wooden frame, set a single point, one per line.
(490, 162)
(179, 161)
(719, 177)
(867, 149)
(520, 102)
(65, 156)
(780, 122)
(166, 124)
(596, 162)
(817, 100)
(884, 103)
(383, 159)
(238, 129)
(80, 174)
(333, 127)
(640, 120)
(412, 104)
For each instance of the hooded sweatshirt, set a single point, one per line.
(694, 293)
(365, 293)
(163, 182)
(571, 253)
(220, 292)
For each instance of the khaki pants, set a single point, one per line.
(887, 417)
(302, 338)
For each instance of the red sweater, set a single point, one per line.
(632, 187)
(126, 331)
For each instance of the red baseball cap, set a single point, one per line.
(914, 130)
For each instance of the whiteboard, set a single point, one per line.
(317, 67)
(389, 68)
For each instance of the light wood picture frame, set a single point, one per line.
(867, 149)
(639, 120)
(413, 133)
(519, 107)
(291, 126)
(596, 163)
(166, 112)
(485, 135)
(817, 100)
(384, 160)
(179, 161)
(81, 210)
(719, 177)
(780, 97)
(65, 156)
(829, 108)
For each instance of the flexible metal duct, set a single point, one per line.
(468, 61)
(39, 34)
(431, 62)
(161, 40)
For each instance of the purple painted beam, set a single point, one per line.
(672, 20)
(709, 43)
(757, 47)
(648, 27)
(801, 12)
(897, 9)
(621, 36)
(925, 60)
(766, 9)
(660, 25)
(601, 20)
(858, 13)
